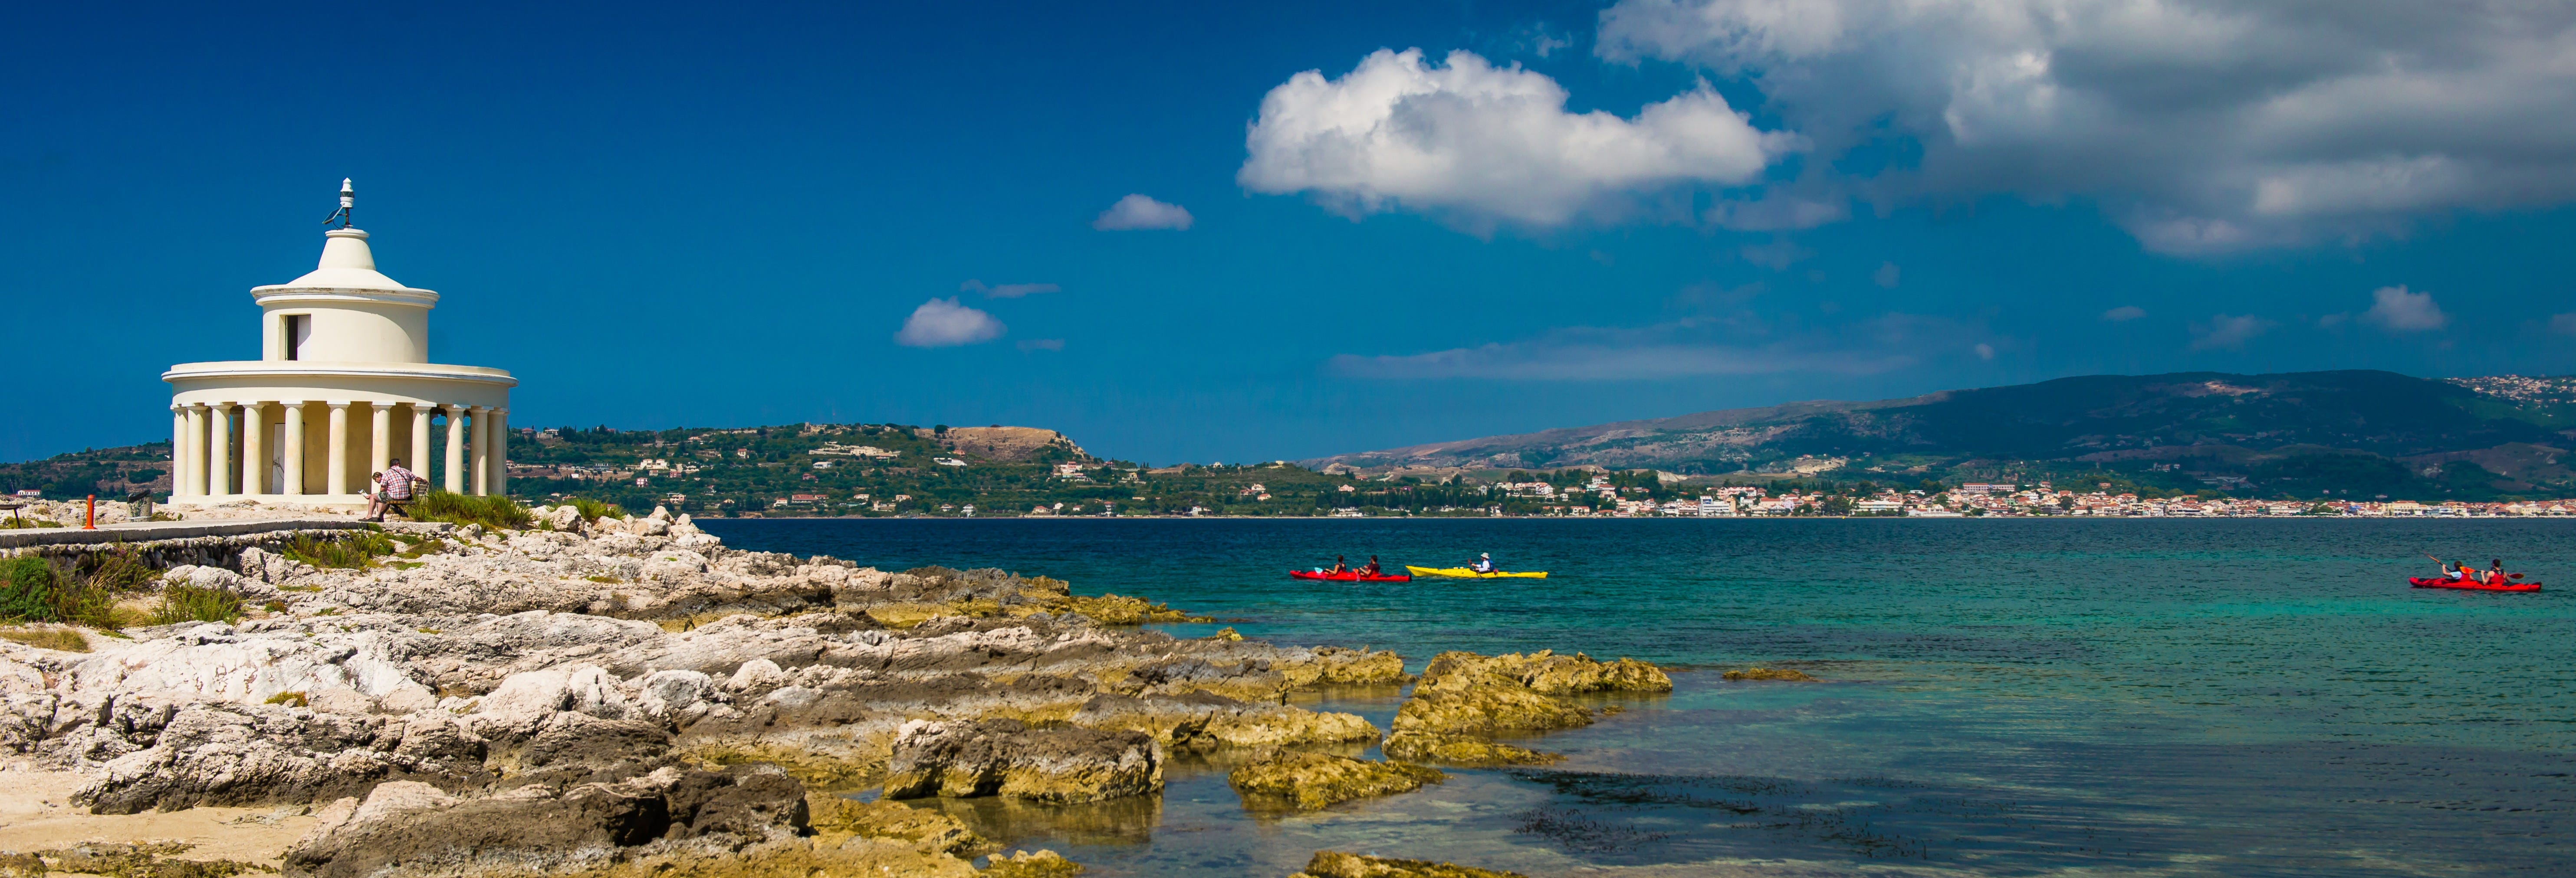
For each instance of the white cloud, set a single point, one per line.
(1006, 291)
(2124, 313)
(2396, 310)
(2199, 125)
(1886, 275)
(1137, 212)
(1738, 345)
(2224, 331)
(1484, 143)
(941, 323)
(2563, 324)
(1042, 344)
(1985, 351)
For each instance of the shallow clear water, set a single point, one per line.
(2222, 697)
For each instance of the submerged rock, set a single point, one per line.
(1305, 781)
(1792, 674)
(1335, 864)
(1063, 765)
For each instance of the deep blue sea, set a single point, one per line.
(2002, 696)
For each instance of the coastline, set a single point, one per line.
(632, 697)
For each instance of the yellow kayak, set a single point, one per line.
(1464, 573)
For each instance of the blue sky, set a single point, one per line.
(691, 216)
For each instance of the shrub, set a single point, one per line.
(29, 593)
(490, 511)
(356, 551)
(593, 510)
(118, 569)
(15, 522)
(188, 603)
(36, 592)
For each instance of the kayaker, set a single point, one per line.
(2495, 571)
(1484, 563)
(1372, 569)
(1339, 565)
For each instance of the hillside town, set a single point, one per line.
(1987, 499)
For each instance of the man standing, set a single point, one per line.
(392, 487)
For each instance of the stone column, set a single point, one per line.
(254, 475)
(197, 451)
(501, 452)
(380, 451)
(219, 453)
(455, 449)
(420, 439)
(482, 450)
(178, 452)
(294, 451)
(335, 449)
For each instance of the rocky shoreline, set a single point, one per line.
(630, 696)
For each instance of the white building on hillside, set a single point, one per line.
(342, 387)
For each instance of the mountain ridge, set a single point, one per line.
(2240, 420)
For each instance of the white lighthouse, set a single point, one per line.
(343, 385)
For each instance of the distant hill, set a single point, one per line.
(2506, 433)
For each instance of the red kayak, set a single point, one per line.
(2468, 585)
(1353, 576)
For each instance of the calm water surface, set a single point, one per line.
(2009, 697)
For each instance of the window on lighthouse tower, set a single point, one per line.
(298, 327)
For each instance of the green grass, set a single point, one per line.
(188, 603)
(16, 522)
(357, 551)
(65, 639)
(461, 509)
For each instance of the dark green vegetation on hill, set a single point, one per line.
(2305, 434)
(110, 473)
(890, 469)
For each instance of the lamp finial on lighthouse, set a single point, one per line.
(348, 199)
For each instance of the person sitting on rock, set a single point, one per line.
(388, 489)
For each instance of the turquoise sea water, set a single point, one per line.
(2011, 697)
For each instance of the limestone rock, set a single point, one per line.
(1308, 781)
(1477, 707)
(1461, 750)
(1548, 673)
(221, 754)
(1335, 666)
(1009, 758)
(1334, 864)
(835, 819)
(1024, 864)
(405, 829)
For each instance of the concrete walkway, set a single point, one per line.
(139, 531)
